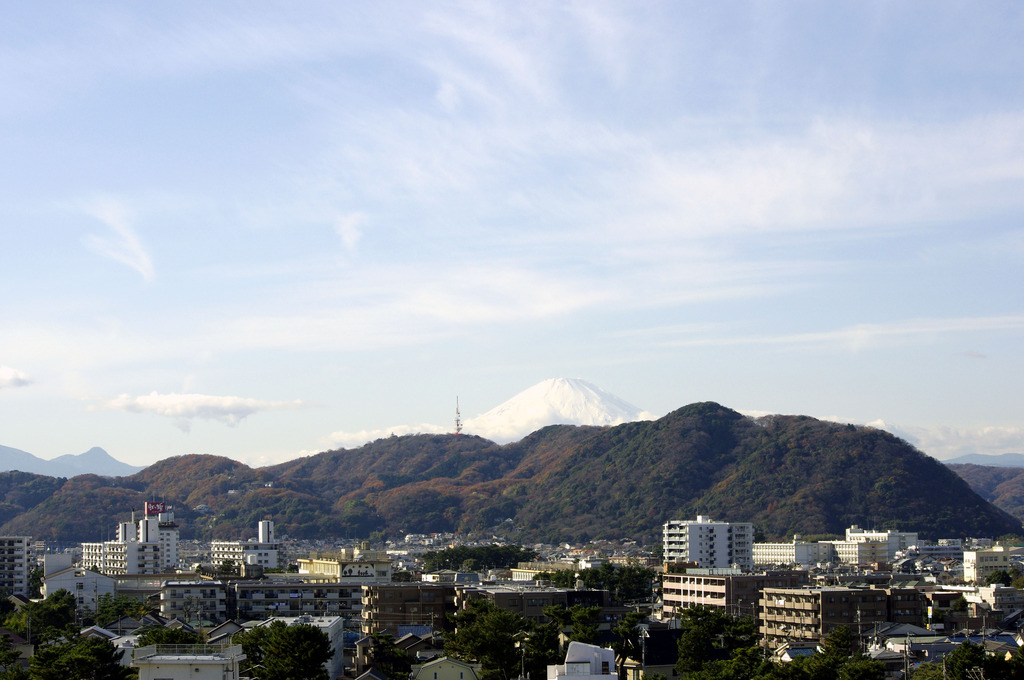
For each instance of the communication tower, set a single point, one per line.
(458, 419)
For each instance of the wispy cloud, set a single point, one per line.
(183, 408)
(348, 228)
(10, 377)
(859, 336)
(945, 441)
(122, 244)
(349, 440)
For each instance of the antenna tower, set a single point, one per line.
(458, 418)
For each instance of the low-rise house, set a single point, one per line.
(444, 668)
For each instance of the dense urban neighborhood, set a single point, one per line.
(707, 601)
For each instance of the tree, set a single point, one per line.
(112, 607)
(44, 620)
(79, 658)
(297, 653)
(494, 637)
(709, 635)
(1001, 577)
(280, 652)
(168, 636)
(387, 658)
(10, 661)
(579, 619)
(628, 644)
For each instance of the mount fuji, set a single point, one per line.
(555, 401)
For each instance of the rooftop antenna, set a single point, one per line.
(458, 418)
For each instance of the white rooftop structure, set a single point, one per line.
(583, 661)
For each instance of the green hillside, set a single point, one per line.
(787, 474)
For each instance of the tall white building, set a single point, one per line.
(261, 551)
(709, 544)
(149, 547)
(15, 553)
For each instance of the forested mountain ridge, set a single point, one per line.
(786, 474)
(1001, 486)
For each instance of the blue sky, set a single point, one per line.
(263, 230)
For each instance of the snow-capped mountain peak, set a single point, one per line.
(555, 401)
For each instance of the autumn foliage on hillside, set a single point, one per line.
(786, 474)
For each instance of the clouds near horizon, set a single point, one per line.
(373, 208)
(183, 408)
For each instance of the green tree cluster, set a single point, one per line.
(79, 658)
(714, 646)
(477, 557)
(10, 661)
(112, 607)
(280, 652)
(503, 642)
(388, 658)
(44, 620)
(970, 661)
(627, 583)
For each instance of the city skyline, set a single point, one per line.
(264, 232)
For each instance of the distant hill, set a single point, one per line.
(998, 460)
(95, 461)
(786, 474)
(1001, 486)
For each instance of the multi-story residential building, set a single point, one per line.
(406, 607)
(868, 546)
(349, 563)
(812, 613)
(15, 564)
(530, 601)
(897, 540)
(727, 589)
(944, 548)
(981, 563)
(85, 585)
(150, 547)
(194, 600)
(260, 551)
(709, 544)
(292, 596)
(796, 552)
(861, 552)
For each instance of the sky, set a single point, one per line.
(263, 230)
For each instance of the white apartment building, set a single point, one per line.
(15, 564)
(980, 564)
(85, 585)
(709, 544)
(796, 552)
(894, 540)
(149, 547)
(261, 551)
